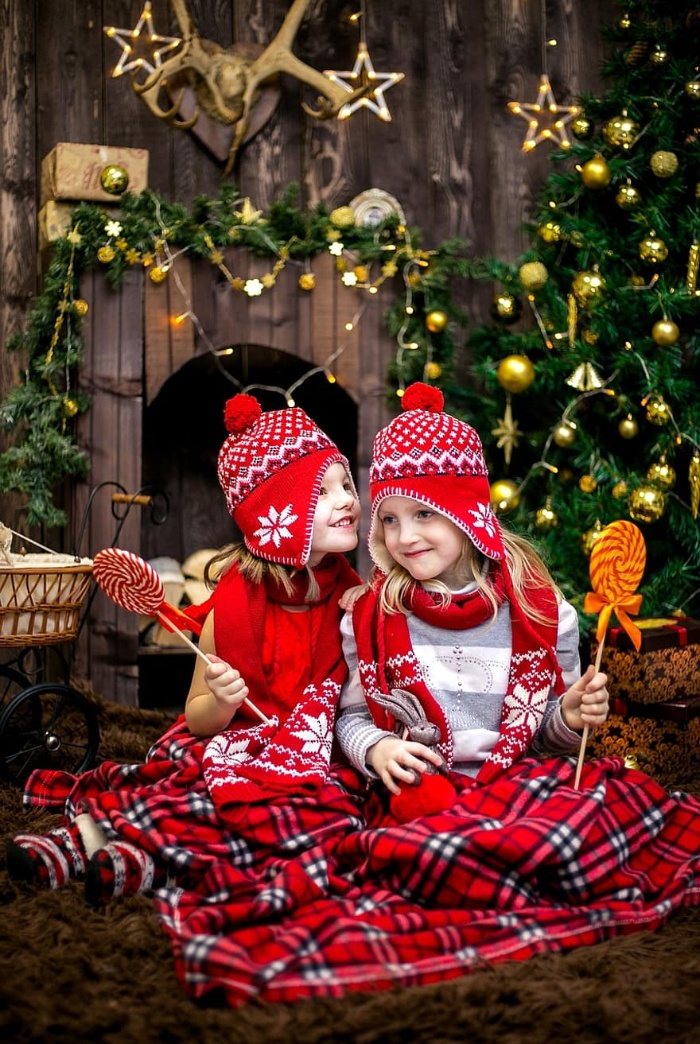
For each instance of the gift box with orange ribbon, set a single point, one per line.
(666, 667)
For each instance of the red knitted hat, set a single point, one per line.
(437, 459)
(270, 468)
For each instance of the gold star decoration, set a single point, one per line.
(248, 215)
(507, 433)
(363, 74)
(141, 50)
(546, 121)
(74, 237)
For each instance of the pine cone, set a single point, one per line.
(637, 53)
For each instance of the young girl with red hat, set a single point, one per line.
(270, 630)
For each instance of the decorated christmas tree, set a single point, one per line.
(586, 384)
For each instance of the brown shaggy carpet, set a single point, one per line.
(68, 973)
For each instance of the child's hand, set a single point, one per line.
(225, 683)
(349, 597)
(586, 702)
(394, 759)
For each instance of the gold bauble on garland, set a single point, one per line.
(665, 332)
(70, 407)
(628, 427)
(621, 131)
(342, 217)
(663, 163)
(114, 179)
(533, 275)
(307, 281)
(433, 370)
(515, 373)
(692, 89)
(564, 434)
(590, 536)
(620, 490)
(587, 484)
(504, 495)
(581, 127)
(158, 274)
(658, 411)
(596, 174)
(659, 56)
(80, 306)
(550, 232)
(624, 23)
(546, 517)
(506, 308)
(588, 287)
(436, 321)
(105, 254)
(661, 474)
(646, 504)
(653, 250)
(628, 197)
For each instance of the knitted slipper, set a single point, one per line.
(118, 869)
(49, 860)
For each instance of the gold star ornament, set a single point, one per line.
(507, 433)
(363, 74)
(546, 121)
(141, 49)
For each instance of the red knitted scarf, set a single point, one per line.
(251, 761)
(386, 660)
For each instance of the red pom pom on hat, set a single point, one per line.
(241, 412)
(421, 396)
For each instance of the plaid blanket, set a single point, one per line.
(320, 894)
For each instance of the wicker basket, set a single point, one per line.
(41, 597)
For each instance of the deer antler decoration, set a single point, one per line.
(227, 82)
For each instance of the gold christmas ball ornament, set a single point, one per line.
(624, 23)
(436, 321)
(596, 174)
(533, 275)
(653, 250)
(646, 504)
(590, 536)
(692, 89)
(665, 332)
(158, 274)
(588, 287)
(343, 217)
(659, 56)
(587, 484)
(628, 427)
(70, 407)
(589, 337)
(550, 232)
(581, 127)
(515, 373)
(504, 496)
(546, 517)
(433, 370)
(506, 308)
(664, 164)
(114, 179)
(628, 197)
(105, 254)
(80, 307)
(307, 281)
(620, 490)
(564, 434)
(658, 411)
(661, 474)
(621, 131)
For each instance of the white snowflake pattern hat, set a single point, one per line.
(271, 468)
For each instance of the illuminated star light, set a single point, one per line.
(363, 75)
(544, 105)
(131, 39)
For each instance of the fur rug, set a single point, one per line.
(68, 973)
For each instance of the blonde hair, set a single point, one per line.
(256, 570)
(527, 572)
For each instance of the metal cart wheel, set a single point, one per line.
(12, 682)
(47, 726)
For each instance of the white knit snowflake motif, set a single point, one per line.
(484, 519)
(314, 737)
(275, 527)
(525, 707)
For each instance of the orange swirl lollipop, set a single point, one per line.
(617, 566)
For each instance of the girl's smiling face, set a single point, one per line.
(337, 515)
(424, 542)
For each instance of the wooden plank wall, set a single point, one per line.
(451, 156)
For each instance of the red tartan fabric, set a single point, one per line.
(324, 893)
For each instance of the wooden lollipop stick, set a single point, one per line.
(584, 735)
(203, 656)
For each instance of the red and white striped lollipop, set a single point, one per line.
(134, 585)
